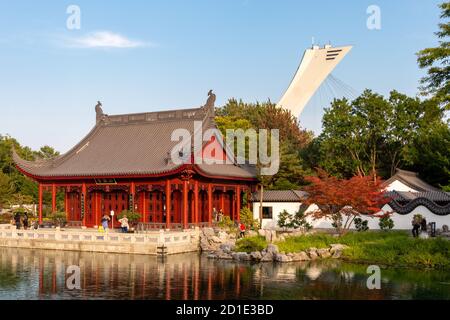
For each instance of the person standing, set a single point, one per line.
(214, 214)
(423, 228)
(25, 221)
(241, 230)
(105, 221)
(17, 220)
(416, 226)
(124, 224)
(220, 215)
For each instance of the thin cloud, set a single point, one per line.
(106, 39)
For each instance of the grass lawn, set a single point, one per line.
(251, 244)
(393, 248)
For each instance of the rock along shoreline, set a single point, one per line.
(221, 245)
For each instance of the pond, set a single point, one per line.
(32, 274)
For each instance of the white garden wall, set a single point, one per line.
(401, 222)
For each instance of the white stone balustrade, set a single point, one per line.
(91, 240)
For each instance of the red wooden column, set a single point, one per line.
(185, 203)
(233, 206)
(144, 206)
(210, 205)
(53, 197)
(40, 202)
(222, 203)
(238, 203)
(196, 202)
(66, 203)
(98, 208)
(83, 204)
(168, 204)
(132, 192)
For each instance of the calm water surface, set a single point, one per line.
(28, 274)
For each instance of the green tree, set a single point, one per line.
(246, 216)
(430, 154)
(47, 152)
(239, 115)
(373, 135)
(6, 189)
(20, 184)
(267, 115)
(386, 223)
(290, 174)
(341, 145)
(436, 61)
(408, 116)
(361, 225)
(299, 220)
(285, 220)
(353, 133)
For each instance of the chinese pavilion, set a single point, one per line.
(124, 163)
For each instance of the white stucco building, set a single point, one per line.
(410, 196)
(274, 202)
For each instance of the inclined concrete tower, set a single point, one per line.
(317, 63)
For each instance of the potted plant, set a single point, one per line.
(58, 219)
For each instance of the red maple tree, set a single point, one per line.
(342, 200)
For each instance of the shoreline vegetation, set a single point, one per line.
(392, 248)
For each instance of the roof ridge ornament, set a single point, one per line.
(209, 108)
(100, 116)
(211, 99)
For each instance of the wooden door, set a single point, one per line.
(74, 203)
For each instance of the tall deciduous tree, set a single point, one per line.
(267, 115)
(430, 154)
(373, 135)
(239, 115)
(437, 62)
(6, 189)
(47, 152)
(20, 184)
(407, 118)
(353, 133)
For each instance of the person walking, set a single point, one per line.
(17, 220)
(124, 224)
(416, 226)
(105, 221)
(25, 221)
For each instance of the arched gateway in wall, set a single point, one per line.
(124, 163)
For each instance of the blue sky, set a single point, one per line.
(168, 54)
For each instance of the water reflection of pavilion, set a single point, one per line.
(129, 276)
(42, 275)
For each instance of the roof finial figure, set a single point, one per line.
(211, 99)
(99, 112)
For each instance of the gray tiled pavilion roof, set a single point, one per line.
(412, 180)
(280, 196)
(131, 144)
